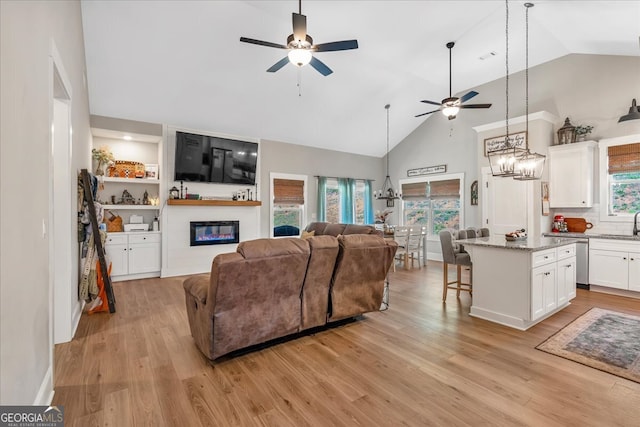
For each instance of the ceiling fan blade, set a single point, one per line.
(424, 114)
(263, 43)
(275, 67)
(476, 106)
(320, 66)
(431, 102)
(299, 26)
(468, 96)
(334, 46)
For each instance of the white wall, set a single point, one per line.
(26, 31)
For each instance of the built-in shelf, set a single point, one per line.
(131, 207)
(188, 202)
(132, 180)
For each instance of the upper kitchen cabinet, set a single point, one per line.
(571, 175)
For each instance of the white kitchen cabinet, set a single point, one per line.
(571, 175)
(134, 255)
(608, 268)
(614, 264)
(543, 290)
(566, 280)
(634, 271)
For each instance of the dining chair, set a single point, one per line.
(419, 232)
(452, 253)
(401, 236)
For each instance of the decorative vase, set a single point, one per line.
(100, 168)
(581, 137)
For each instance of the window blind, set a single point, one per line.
(447, 188)
(624, 158)
(288, 192)
(415, 190)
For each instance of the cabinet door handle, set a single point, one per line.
(568, 265)
(632, 259)
(546, 257)
(624, 257)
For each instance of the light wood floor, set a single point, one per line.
(420, 363)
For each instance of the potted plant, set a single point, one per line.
(582, 132)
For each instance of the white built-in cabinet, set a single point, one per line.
(133, 255)
(553, 279)
(614, 264)
(571, 175)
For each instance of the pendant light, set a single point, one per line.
(503, 160)
(529, 166)
(387, 192)
(634, 113)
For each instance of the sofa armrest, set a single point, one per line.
(198, 287)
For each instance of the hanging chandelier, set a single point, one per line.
(529, 166)
(503, 160)
(387, 192)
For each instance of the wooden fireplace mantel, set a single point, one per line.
(189, 202)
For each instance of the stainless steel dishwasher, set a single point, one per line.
(582, 263)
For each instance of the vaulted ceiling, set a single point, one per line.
(181, 62)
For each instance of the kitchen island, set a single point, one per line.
(520, 283)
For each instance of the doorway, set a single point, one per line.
(65, 307)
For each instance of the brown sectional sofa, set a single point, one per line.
(271, 288)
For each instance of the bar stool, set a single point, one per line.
(454, 255)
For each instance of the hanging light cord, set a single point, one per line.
(387, 108)
(506, 62)
(526, 73)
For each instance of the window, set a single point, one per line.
(623, 178)
(345, 200)
(619, 177)
(288, 195)
(435, 203)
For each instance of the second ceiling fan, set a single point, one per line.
(300, 46)
(451, 105)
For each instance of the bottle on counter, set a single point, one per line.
(156, 224)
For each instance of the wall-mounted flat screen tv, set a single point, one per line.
(202, 158)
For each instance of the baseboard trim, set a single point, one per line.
(46, 392)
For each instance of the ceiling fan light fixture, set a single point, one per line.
(299, 57)
(450, 106)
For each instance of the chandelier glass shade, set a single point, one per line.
(503, 161)
(387, 192)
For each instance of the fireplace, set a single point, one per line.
(214, 232)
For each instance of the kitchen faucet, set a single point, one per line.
(635, 224)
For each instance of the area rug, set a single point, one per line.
(602, 339)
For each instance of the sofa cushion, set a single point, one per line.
(265, 248)
(318, 227)
(334, 229)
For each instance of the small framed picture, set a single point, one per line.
(151, 171)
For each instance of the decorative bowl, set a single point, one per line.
(514, 239)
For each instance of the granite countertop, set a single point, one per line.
(531, 244)
(594, 236)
